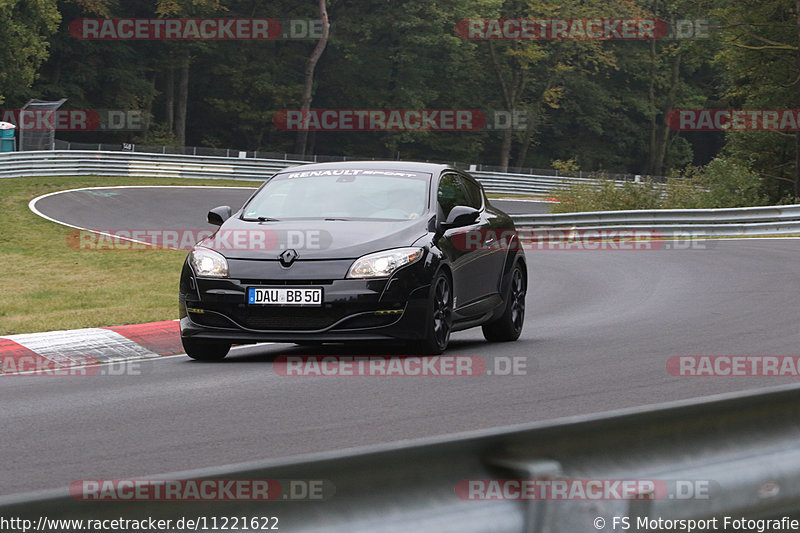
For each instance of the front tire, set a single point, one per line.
(440, 316)
(509, 326)
(204, 350)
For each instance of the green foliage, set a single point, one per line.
(605, 195)
(158, 135)
(565, 167)
(26, 26)
(721, 183)
(595, 104)
(725, 183)
(757, 67)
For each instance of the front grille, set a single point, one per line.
(292, 318)
(290, 282)
(288, 318)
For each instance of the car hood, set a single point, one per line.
(312, 239)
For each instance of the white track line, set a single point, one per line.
(32, 206)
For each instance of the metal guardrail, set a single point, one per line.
(712, 222)
(73, 163)
(740, 453)
(67, 163)
(506, 183)
(321, 158)
(767, 220)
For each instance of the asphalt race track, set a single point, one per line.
(600, 328)
(140, 207)
(145, 208)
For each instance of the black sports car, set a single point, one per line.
(340, 252)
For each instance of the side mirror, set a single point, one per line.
(218, 215)
(461, 215)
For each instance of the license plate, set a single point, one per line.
(284, 296)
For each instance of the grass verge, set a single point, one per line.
(47, 285)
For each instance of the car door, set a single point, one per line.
(494, 238)
(463, 246)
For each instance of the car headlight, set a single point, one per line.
(382, 264)
(208, 263)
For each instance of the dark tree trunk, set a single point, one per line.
(662, 128)
(148, 107)
(305, 103)
(183, 100)
(169, 104)
(533, 113)
(531, 118)
(511, 91)
(659, 130)
(651, 97)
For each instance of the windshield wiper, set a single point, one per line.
(332, 218)
(267, 219)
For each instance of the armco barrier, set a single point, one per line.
(77, 163)
(505, 183)
(80, 163)
(776, 220)
(736, 455)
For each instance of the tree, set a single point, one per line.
(308, 82)
(401, 54)
(759, 63)
(674, 75)
(27, 25)
(182, 52)
(530, 73)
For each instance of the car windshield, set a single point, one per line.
(341, 194)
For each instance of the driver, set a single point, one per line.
(408, 201)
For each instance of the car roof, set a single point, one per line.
(411, 166)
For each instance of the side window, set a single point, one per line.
(474, 192)
(451, 193)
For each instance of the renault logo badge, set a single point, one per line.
(287, 257)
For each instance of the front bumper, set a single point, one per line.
(379, 309)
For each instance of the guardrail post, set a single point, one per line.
(539, 516)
